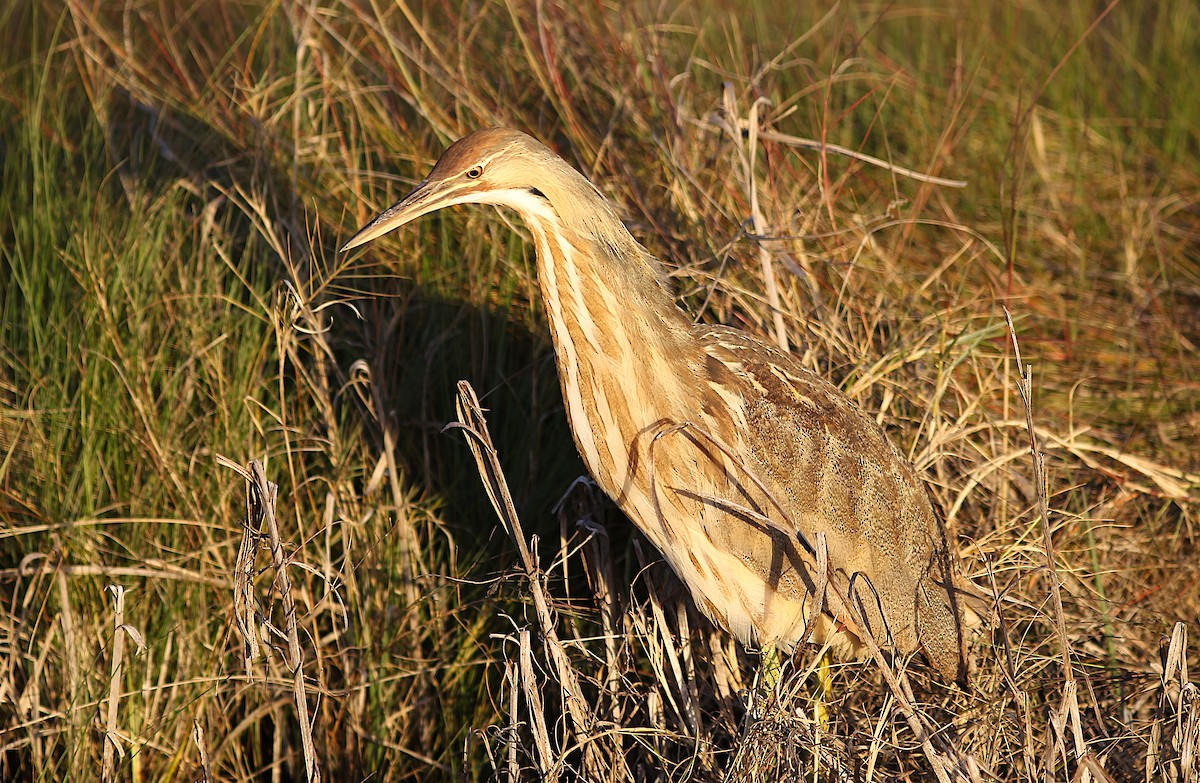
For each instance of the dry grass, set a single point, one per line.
(175, 183)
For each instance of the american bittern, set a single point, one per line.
(724, 452)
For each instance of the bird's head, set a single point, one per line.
(494, 166)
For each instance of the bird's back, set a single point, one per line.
(831, 469)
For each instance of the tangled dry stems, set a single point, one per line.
(374, 606)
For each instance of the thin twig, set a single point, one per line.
(111, 744)
(747, 146)
(202, 747)
(1069, 709)
(472, 422)
(261, 504)
(820, 146)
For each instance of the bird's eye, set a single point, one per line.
(475, 172)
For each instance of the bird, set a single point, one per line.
(745, 470)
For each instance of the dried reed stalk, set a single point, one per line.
(601, 757)
(261, 504)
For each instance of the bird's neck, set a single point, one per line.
(607, 294)
(623, 348)
(592, 270)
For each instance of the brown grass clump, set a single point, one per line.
(237, 541)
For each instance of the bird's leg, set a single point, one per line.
(769, 668)
(824, 690)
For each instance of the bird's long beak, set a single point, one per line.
(425, 198)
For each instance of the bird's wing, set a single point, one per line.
(834, 470)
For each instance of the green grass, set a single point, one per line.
(173, 188)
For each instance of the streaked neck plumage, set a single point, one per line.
(612, 319)
(567, 208)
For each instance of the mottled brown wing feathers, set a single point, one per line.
(835, 471)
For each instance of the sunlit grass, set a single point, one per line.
(174, 185)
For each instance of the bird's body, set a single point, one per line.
(724, 452)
